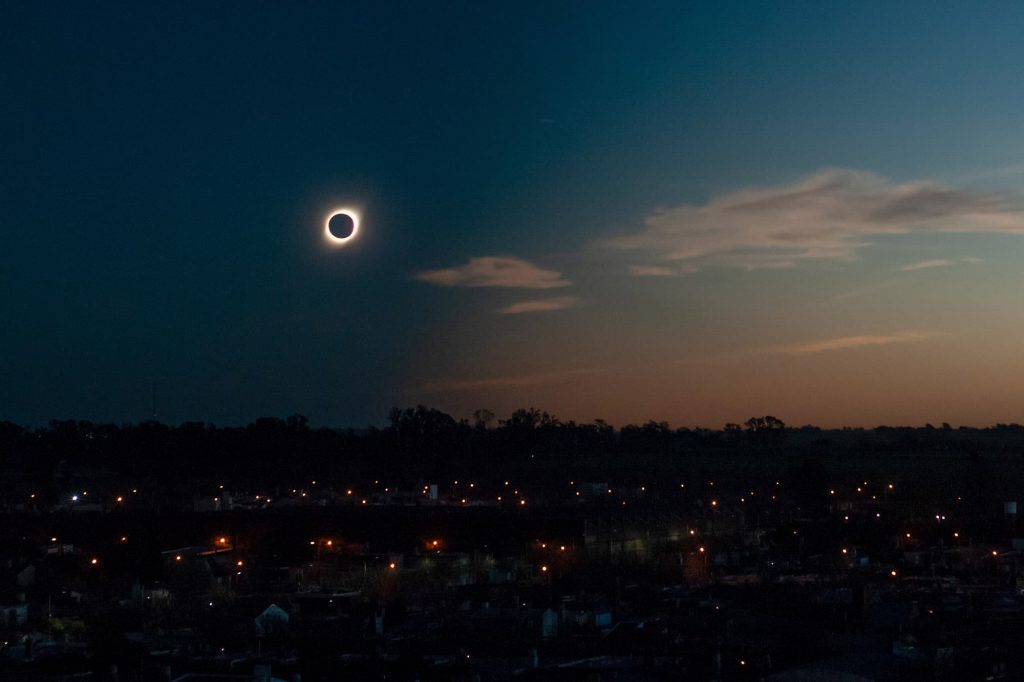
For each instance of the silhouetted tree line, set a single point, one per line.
(421, 443)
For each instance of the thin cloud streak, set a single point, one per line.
(910, 267)
(852, 342)
(661, 270)
(927, 264)
(495, 271)
(940, 263)
(540, 306)
(495, 383)
(828, 216)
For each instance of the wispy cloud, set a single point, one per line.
(540, 305)
(491, 383)
(851, 342)
(829, 216)
(661, 270)
(495, 271)
(652, 271)
(939, 263)
(927, 264)
(909, 267)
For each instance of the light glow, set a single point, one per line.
(341, 241)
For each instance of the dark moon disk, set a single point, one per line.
(341, 226)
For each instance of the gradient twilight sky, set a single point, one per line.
(694, 212)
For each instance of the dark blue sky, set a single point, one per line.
(167, 167)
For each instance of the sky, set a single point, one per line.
(689, 212)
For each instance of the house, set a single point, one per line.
(509, 625)
(13, 614)
(855, 668)
(273, 620)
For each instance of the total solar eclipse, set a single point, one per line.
(341, 226)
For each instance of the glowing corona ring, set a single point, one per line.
(353, 215)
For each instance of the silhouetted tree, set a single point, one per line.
(766, 431)
(482, 418)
